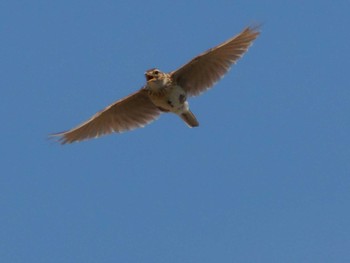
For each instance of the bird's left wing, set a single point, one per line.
(133, 111)
(203, 71)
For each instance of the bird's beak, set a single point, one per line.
(148, 77)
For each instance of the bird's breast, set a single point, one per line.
(169, 98)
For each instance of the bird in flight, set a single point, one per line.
(165, 92)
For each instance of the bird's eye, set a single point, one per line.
(156, 72)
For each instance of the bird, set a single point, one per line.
(165, 92)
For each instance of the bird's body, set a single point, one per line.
(165, 92)
(167, 96)
(170, 98)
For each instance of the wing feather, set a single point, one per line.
(133, 111)
(205, 70)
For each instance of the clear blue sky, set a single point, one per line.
(265, 178)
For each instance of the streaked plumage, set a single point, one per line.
(165, 92)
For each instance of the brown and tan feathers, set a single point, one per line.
(131, 112)
(203, 71)
(138, 109)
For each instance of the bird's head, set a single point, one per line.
(153, 74)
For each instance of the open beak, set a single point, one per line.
(149, 77)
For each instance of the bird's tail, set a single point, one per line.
(189, 118)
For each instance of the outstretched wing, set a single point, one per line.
(203, 71)
(133, 111)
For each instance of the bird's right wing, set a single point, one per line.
(133, 111)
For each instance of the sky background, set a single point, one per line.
(265, 178)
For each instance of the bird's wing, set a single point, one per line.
(133, 111)
(203, 71)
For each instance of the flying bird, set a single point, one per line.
(165, 92)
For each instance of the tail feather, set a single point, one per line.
(189, 118)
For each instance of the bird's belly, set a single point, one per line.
(171, 99)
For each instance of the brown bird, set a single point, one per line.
(165, 92)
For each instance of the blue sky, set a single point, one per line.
(265, 178)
